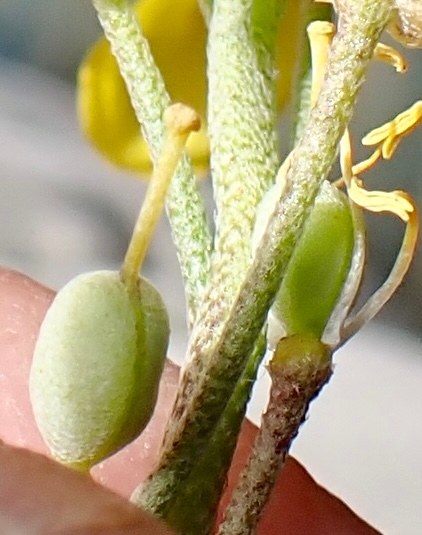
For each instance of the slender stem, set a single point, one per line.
(243, 150)
(180, 121)
(242, 129)
(199, 487)
(149, 99)
(200, 404)
(299, 369)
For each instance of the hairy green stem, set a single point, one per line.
(149, 100)
(206, 481)
(242, 120)
(200, 403)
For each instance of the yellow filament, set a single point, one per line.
(320, 34)
(180, 121)
(360, 167)
(388, 136)
(346, 158)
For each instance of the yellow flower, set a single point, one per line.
(177, 36)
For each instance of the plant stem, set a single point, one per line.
(199, 487)
(203, 398)
(242, 130)
(149, 100)
(299, 369)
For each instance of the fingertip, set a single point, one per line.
(55, 499)
(299, 506)
(23, 304)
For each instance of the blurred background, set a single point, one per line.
(63, 210)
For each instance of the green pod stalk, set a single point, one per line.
(97, 365)
(317, 270)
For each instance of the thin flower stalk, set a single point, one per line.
(149, 99)
(242, 126)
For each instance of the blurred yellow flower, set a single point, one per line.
(177, 36)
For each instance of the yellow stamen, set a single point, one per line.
(390, 55)
(390, 134)
(395, 202)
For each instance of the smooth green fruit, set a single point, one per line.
(96, 367)
(317, 270)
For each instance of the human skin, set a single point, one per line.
(38, 496)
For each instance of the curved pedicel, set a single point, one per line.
(333, 330)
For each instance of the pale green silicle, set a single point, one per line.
(96, 367)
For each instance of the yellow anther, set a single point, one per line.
(395, 202)
(390, 55)
(390, 134)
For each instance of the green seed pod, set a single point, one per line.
(317, 270)
(96, 367)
